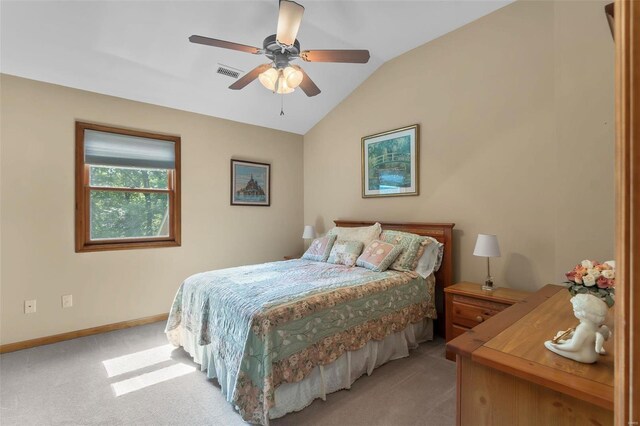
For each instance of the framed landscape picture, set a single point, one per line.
(390, 163)
(250, 183)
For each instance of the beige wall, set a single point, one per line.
(37, 199)
(516, 115)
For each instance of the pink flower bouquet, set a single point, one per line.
(591, 277)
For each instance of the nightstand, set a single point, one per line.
(467, 305)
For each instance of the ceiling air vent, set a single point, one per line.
(224, 70)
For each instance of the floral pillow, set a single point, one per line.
(320, 249)
(378, 256)
(345, 252)
(412, 249)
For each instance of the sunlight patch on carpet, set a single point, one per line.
(148, 379)
(135, 361)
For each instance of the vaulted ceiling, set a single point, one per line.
(139, 49)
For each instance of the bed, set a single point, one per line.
(278, 335)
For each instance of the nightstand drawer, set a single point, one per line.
(471, 315)
(457, 330)
(474, 301)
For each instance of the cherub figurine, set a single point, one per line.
(584, 344)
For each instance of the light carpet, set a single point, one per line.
(131, 377)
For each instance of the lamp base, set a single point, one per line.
(488, 286)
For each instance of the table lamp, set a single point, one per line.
(309, 233)
(487, 246)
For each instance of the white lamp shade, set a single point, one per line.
(487, 246)
(309, 232)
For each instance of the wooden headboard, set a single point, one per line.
(442, 232)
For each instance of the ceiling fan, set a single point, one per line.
(280, 76)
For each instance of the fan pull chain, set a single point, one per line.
(281, 105)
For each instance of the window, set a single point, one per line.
(127, 189)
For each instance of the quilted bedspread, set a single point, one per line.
(273, 323)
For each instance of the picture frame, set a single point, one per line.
(250, 183)
(391, 163)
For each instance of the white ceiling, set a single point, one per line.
(139, 49)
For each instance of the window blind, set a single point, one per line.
(112, 149)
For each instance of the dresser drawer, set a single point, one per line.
(470, 315)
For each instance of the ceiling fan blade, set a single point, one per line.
(224, 44)
(351, 56)
(249, 77)
(289, 20)
(307, 85)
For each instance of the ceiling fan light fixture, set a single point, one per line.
(281, 81)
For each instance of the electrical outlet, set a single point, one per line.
(67, 301)
(30, 306)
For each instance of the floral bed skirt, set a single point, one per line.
(322, 380)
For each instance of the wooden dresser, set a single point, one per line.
(507, 377)
(468, 305)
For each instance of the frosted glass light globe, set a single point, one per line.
(281, 85)
(269, 78)
(292, 76)
(281, 81)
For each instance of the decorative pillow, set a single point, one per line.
(320, 248)
(345, 252)
(430, 260)
(378, 256)
(411, 245)
(364, 234)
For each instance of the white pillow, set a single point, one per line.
(431, 259)
(364, 234)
